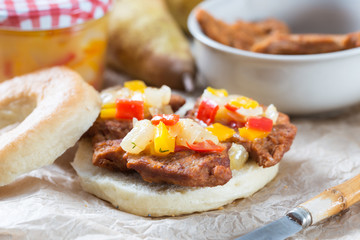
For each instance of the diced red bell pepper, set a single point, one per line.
(129, 109)
(260, 123)
(206, 146)
(167, 119)
(230, 107)
(207, 111)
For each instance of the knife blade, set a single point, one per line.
(293, 222)
(326, 204)
(279, 229)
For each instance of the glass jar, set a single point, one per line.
(76, 38)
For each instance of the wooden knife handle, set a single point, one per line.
(333, 200)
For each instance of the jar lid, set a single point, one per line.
(50, 14)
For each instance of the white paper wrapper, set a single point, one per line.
(49, 203)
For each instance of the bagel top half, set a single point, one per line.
(42, 114)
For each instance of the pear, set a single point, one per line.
(146, 43)
(180, 9)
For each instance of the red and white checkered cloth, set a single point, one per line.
(50, 14)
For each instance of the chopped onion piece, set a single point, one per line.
(221, 101)
(272, 113)
(166, 94)
(139, 137)
(175, 129)
(134, 120)
(154, 111)
(162, 110)
(250, 111)
(167, 109)
(189, 131)
(207, 135)
(107, 97)
(123, 93)
(137, 96)
(157, 97)
(209, 95)
(111, 94)
(238, 156)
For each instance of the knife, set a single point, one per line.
(326, 204)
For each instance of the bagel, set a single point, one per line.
(42, 114)
(130, 193)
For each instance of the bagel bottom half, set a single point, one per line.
(129, 193)
(42, 114)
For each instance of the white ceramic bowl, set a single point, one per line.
(296, 84)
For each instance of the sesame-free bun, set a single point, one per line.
(42, 114)
(130, 193)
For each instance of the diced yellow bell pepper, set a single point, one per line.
(222, 132)
(164, 143)
(217, 92)
(225, 116)
(222, 115)
(244, 102)
(135, 85)
(107, 113)
(109, 105)
(252, 134)
(151, 149)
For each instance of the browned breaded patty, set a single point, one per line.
(109, 129)
(269, 151)
(185, 168)
(109, 154)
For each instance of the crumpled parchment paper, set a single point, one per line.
(49, 203)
